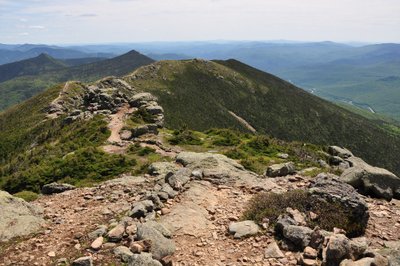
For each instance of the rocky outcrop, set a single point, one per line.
(219, 169)
(54, 188)
(330, 188)
(370, 180)
(17, 217)
(280, 169)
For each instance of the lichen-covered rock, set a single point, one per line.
(54, 188)
(243, 229)
(280, 169)
(371, 180)
(161, 246)
(330, 188)
(18, 217)
(143, 259)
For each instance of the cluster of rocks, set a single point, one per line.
(134, 242)
(106, 97)
(318, 246)
(370, 180)
(149, 111)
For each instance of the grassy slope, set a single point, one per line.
(35, 151)
(199, 94)
(21, 88)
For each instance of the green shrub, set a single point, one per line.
(330, 214)
(236, 153)
(185, 137)
(146, 151)
(27, 195)
(224, 137)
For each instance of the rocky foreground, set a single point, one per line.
(189, 210)
(188, 213)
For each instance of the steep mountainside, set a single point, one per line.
(334, 71)
(31, 66)
(202, 94)
(25, 86)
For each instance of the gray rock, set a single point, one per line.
(221, 170)
(116, 234)
(392, 252)
(101, 231)
(145, 129)
(371, 180)
(243, 229)
(280, 169)
(83, 261)
(162, 168)
(283, 155)
(141, 98)
(273, 251)
(339, 247)
(123, 253)
(18, 217)
(158, 205)
(142, 208)
(154, 110)
(160, 245)
(169, 190)
(300, 236)
(338, 151)
(335, 160)
(54, 188)
(179, 178)
(331, 189)
(143, 259)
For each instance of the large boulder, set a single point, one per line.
(340, 152)
(219, 169)
(280, 169)
(371, 180)
(243, 229)
(54, 188)
(330, 188)
(161, 245)
(17, 217)
(142, 98)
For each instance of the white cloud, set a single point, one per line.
(37, 27)
(125, 20)
(23, 33)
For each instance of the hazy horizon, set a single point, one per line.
(138, 21)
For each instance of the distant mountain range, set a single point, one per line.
(363, 76)
(12, 53)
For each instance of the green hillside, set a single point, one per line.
(23, 87)
(201, 94)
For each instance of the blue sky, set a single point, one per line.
(110, 21)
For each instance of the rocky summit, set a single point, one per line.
(107, 182)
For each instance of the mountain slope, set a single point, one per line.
(21, 88)
(31, 66)
(202, 95)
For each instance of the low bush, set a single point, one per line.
(329, 214)
(26, 195)
(185, 137)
